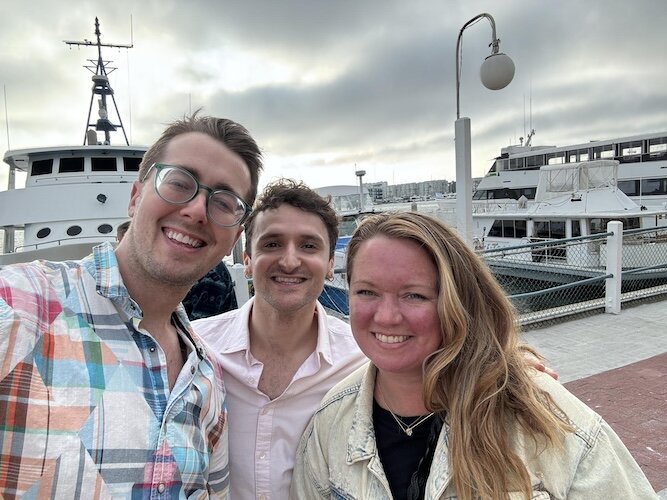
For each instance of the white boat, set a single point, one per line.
(74, 196)
(642, 172)
(571, 200)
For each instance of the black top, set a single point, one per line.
(401, 454)
(213, 294)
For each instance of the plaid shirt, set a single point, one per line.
(85, 405)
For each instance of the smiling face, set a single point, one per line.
(393, 304)
(177, 244)
(290, 259)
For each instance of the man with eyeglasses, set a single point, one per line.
(105, 390)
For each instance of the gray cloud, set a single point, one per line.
(369, 83)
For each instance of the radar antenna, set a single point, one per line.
(102, 88)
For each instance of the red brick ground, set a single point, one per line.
(633, 400)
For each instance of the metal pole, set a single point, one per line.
(463, 179)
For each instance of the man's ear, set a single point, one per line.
(135, 196)
(330, 272)
(247, 265)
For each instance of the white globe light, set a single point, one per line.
(497, 71)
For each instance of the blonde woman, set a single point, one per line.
(447, 407)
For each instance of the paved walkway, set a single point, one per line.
(617, 364)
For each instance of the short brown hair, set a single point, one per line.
(233, 135)
(298, 195)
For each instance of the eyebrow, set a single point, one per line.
(303, 236)
(215, 187)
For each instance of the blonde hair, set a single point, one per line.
(478, 379)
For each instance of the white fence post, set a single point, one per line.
(614, 266)
(240, 283)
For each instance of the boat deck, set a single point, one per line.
(617, 364)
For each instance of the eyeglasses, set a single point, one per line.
(177, 186)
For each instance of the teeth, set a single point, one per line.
(391, 339)
(181, 238)
(283, 279)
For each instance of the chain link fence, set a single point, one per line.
(552, 279)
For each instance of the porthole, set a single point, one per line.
(73, 230)
(104, 228)
(44, 232)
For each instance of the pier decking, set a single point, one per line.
(617, 365)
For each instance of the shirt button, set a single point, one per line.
(151, 349)
(160, 488)
(192, 370)
(265, 410)
(262, 456)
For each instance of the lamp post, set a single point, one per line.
(496, 73)
(360, 174)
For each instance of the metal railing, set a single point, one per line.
(557, 278)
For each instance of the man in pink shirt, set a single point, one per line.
(280, 351)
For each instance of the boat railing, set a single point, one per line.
(65, 241)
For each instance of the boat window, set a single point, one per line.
(508, 228)
(631, 223)
(556, 158)
(550, 229)
(520, 228)
(42, 167)
(534, 162)
(480, 194)
(557, 229)
(657, 148)
(602, 152)
(104, 228)
(516, 163)
(44, 232)
(105, 164)
(633, 148)
(654, 186)
(576, 228)
(496, 229)
(541, 229)
(598, 226)
(71, 165)
(630, 188)
(73, 230)
(131, 164)
(582, 155)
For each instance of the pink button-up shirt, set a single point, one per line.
(263, 433)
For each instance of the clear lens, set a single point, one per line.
(176, 185)
(225, 208)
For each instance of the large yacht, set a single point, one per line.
(74, 196)
(642, 171)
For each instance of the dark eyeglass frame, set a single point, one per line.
(158, 166)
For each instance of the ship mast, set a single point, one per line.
(102, 88)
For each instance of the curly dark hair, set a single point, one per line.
(298, 195)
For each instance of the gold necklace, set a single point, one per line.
(405, 428)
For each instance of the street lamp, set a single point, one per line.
(360, 174)
(496, 73)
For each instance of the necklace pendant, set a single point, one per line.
(408, 432)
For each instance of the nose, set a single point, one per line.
(388, 311)
(195, 209)
(289, 260)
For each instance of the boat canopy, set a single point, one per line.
(572, 177)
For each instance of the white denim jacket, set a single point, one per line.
(337, 456)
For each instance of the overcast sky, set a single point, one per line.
(330, 86)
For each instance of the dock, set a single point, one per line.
(617, 365)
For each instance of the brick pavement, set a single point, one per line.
(617, 364)
(633, 400)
